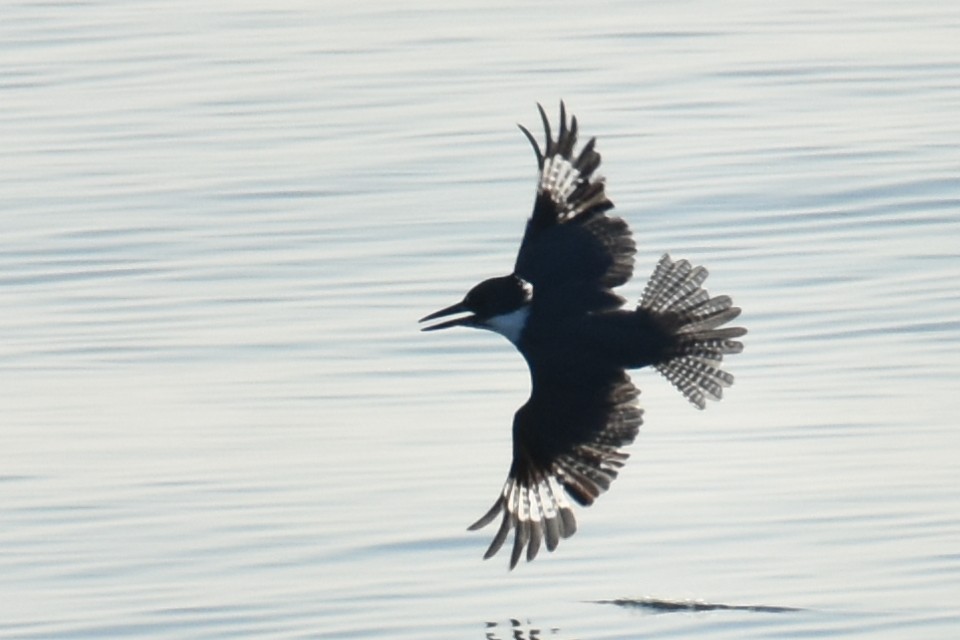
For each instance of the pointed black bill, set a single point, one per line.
(465, 321)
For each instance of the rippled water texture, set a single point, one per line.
(221, 222)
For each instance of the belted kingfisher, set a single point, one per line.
(558, 308)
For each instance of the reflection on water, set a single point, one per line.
(659, 605)
(517, 630)
(221, 222)
(527, 630)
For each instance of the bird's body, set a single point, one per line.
(559, 309)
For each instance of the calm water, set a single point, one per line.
(220, 225)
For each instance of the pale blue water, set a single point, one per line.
(221, 222)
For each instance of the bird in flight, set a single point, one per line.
(559, 309)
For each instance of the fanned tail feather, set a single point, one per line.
(675, 296)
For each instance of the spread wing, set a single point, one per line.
(570, 242)
(565, 438)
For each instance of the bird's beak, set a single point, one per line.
(465, 321)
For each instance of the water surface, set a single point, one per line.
(221, 223)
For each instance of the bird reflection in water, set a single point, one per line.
(521, 631)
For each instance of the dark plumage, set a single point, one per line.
(559, 309)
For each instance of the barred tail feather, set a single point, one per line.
(692, 364)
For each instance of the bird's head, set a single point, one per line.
(498, 304)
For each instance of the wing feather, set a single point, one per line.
(569, 238)
(564, 442)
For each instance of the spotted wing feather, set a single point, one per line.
(569, 238)
(565, 443)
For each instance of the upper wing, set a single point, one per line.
(567, 435)
(569, 240)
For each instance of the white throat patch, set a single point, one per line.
(510, 325)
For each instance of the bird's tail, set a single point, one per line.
(695, 322)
